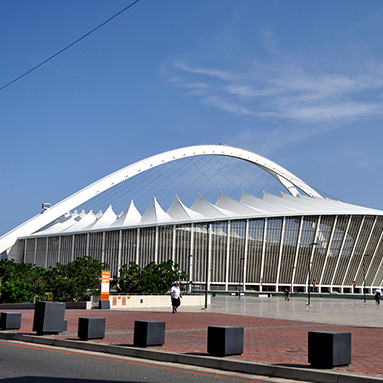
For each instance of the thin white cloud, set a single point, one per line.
(268, 41)
(217, 73)
(286, 99)
(228, 106)
(278, 90)
(329, 112)
(271, 141)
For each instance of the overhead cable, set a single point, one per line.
(69, 46)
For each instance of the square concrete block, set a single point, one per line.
(10, 321)
(149, 333)
(91, 328)
(224, 340)
(49, 318)
(327, 349)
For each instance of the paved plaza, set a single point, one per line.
(275, 331)
(338, 311)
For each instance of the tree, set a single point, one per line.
(77, 280)
(24, 282)
(13, 289)
(129, 279)
(19, 282)
(152, 279)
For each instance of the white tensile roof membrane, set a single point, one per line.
(225, 208)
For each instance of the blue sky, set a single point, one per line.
(298, 82)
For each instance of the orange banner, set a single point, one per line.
(105, 285)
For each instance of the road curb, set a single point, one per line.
(225, 364)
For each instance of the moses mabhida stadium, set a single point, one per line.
(232, 219)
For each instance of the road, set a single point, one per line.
(26, 363)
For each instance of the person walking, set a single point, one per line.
(287, 295)
(175, 294)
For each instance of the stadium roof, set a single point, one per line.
(225, 208)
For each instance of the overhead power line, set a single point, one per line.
(69, 46)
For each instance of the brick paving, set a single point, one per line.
(277, 341)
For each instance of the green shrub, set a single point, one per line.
(78, 280)
(152, 279)
(19, 282)
(23, 282)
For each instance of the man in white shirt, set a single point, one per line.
(175, 294)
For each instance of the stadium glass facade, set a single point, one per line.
(251, 255)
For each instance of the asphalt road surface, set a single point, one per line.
(26, 363)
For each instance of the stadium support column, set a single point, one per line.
(328, 253)
(59, 250)
(119, 252)
(191, 258)
(263, 254)
(207, 262)
(340, 252)
(103, 247)
(354, 254)
(87, 244)
(227, 256)
(156, 246)
(364, 277)
(296, 252)
(138, 246)
(192, 239)
(190, 287)
(25, 250)
(377, 269)
(245, 255)
(312, 248)
(35, 252)
(174, 244)
(73, 243)
(366, 246)
(46, 253)
(280, 252)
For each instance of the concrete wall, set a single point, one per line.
(126, 302)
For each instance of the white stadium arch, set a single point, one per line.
(286, 178)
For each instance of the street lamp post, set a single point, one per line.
(364, 278)
(309, 273)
